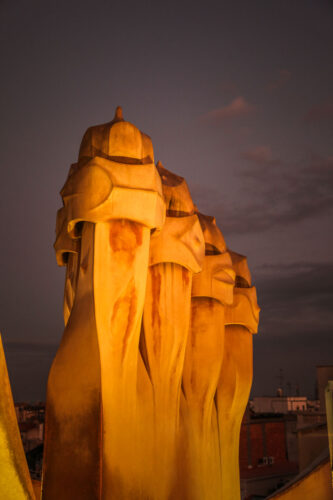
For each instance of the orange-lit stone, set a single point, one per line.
(148, 387)
(176, 252)
(241, 320)
(212, 290)
(15, 482)
(112, 198)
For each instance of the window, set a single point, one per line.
(265, 461)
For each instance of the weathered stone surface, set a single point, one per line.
(151, 379)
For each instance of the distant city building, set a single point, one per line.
(32, 434)
(282, 438)
(313, 405)
(274, 449)
(35, 462)
(268, 454)
(279, 404)
(312, 442)
(30, 419)
(26, 411)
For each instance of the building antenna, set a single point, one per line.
(280, 378)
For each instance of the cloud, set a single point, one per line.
(296, 304)
(260, 155)
(284, 194)
(296, 322)
(309, 283)
(321, 112)
(237, 108)
(283, 77)
(273, 194)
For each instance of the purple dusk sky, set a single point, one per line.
(237, 97)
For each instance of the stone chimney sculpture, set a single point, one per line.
(176, 253)
(150, 382)
(112, 200)
(241, 320)
(212, 291)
